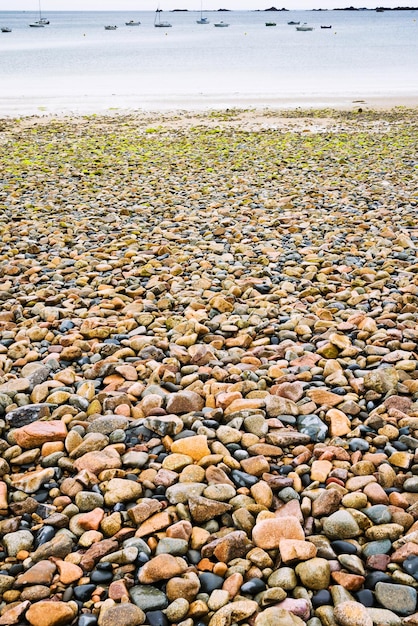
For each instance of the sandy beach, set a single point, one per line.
(208, 366)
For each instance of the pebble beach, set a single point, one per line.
(208, 369)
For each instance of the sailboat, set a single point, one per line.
(42, 20)
(157, 20)
(202, 20)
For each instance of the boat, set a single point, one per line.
(327, 26)
(304, 27)
(132, 23)
(110, 27)
(157, 20)
(221, 24)
(270, 23)
(41, 22)
(202, 20)
(291, 23)
(6, 29)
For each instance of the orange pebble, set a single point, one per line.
(205, 565)
(52, 446)
(123, 409)
(220, 569)
(22, 555)
(233, 584)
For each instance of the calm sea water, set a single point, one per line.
(75, 64)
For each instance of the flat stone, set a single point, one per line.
(148, 598)
(203, 509)
(17, 541)
(41, 574)
(340, 525)
(233, 612)
(275, 615)
(293, 550)
(98, 461)
(352, 614)
(184, 402)
(125, 614)
(14, 615)
(47, 613)
(196, 447)
(384, 617)
(268, 533)
(402, 599)
(314, 573)
(37, 433)
(121, 490)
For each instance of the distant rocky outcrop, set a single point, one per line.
(378, 9)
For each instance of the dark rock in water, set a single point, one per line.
(157, 618)
(84, 592)
(263, 288)
(209, 582)
(43, 535)
(252, 587)
(312, 426)
(101, 577)
(376, 577)
(365, 597)
(41, 496)
(358, 444)
(87, 619)
(343, 547)
(242, 479)
(148, 598)
(410, 566)
(321, 598)
(29, 413)
(16, 569)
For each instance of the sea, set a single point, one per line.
(74, 65)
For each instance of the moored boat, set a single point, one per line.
(132, 23)
(202, 20)
(291, 23)
(304, 27)
(270, 23)
(41, 22)
(110, 27)
(6, 29)
(221, 24)
(327, 26)
(157, 20)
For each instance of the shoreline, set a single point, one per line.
(12, 107)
